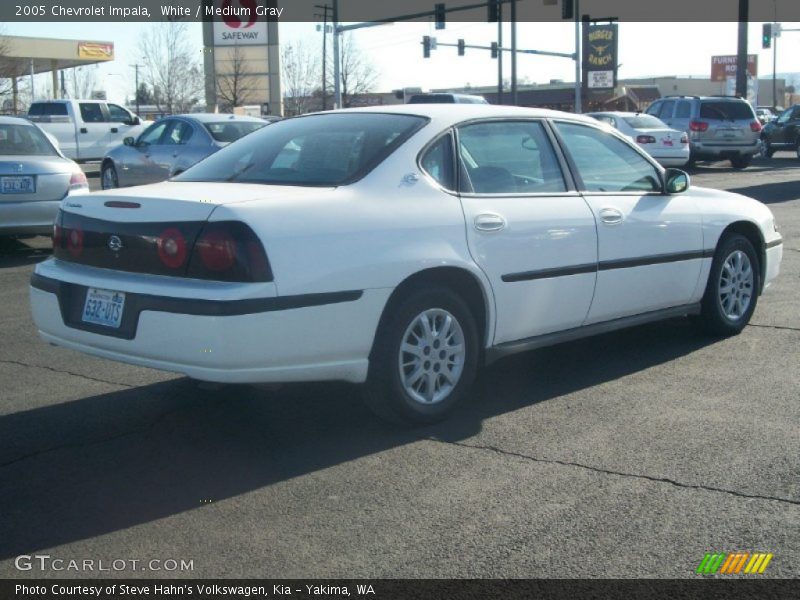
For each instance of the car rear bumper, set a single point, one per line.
(708, 150)
(282, 339)
(33, 217)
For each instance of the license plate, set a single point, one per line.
(22, 184)
(103, 307)
(668, 142)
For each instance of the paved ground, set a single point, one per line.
(630, 454)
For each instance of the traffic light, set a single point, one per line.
(461, 47)
(494, 50)
(426, 46)
(494, 11)
(766, 36)
(438, 12)
(567, 9)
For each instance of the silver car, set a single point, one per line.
(719, 127)
(34, 178)
(172, 145)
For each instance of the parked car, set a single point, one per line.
(783, 133)
(719, 127)
(446, 99)
(85, 129)
(34, 178)
(400, 247)
(669, 147)
(172, 145)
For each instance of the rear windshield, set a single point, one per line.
(644, 122)
(230, 131)
(24, 140)
(726, 111)
(318, 150)
(47, 109)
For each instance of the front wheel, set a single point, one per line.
(741, 162)
(733, 285)
(108, 177)
(424, 358)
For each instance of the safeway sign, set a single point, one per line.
(723, 67)
(238, 22)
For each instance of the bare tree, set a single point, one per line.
(300, 77)
(357, 72)
(171, 67)
(236, 85)
(7, 71)
(81, 82)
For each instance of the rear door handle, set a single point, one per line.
(84, 130)
(611, 216)
(114, 130)
(489, 222)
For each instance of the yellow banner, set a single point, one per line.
(94, 50)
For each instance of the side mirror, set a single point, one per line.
(129, 141)
(676, 181)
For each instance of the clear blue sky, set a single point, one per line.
(646, 49)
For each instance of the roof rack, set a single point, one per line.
(679, 96)
(725, 96)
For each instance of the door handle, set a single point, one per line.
(114, 130)
(84, 130)
(611, 216)
(489, 222)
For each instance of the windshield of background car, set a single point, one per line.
(318, 150)
(230, 131)
(645, 122)
(726, 111)
(24, 140)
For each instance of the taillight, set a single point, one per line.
(698, 126)
(645, 139)
(172, 248)
(755, 126)
(684, 139)
(56, 235)
(78, 181)
(228, 251)
(74, 241)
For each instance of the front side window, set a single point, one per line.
(605, 163)
(505, 157)
(666, 109)
(318, 150)
(438, 162)
(654, 109)
(117, 114)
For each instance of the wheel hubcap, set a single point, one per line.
(736, 285)
(432, 355)
(109, 181)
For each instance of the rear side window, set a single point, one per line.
(726, 111)
(231, 131)
(318, 150)
(504, 157)
(438, 162)
(91, 113)
(683, 110)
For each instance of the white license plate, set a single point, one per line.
(22, 184)
(103, 307)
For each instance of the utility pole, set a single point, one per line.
(500, 56)
(136, 70)
(514, 52)
(774, 67)
(337, 86)
(741, 60)
(578, 58)
(325, 8)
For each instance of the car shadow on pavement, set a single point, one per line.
(16, 253)
(83, 468)
(771, 193)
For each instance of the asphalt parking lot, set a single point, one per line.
(626, 455)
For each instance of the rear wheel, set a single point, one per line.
(797, 147)
(424, 359)
(766, 149)
(741, 162)
(108, 177)
(732, 290)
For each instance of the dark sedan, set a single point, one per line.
(172, 145)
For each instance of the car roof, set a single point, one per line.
(9, 120)
(218, 117)
(619, 113)
(451, 114)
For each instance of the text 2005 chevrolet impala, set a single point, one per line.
(398, 247)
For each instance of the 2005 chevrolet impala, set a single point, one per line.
(400, 248)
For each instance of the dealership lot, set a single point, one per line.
(629, 454)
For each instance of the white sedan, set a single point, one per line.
(400, 248)
(668, 146)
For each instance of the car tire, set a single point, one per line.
(797, 147)
(733, 286)
(766, 149)
(415, 350)
(108, 177)
(741, 162)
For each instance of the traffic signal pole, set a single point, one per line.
(741, 61)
